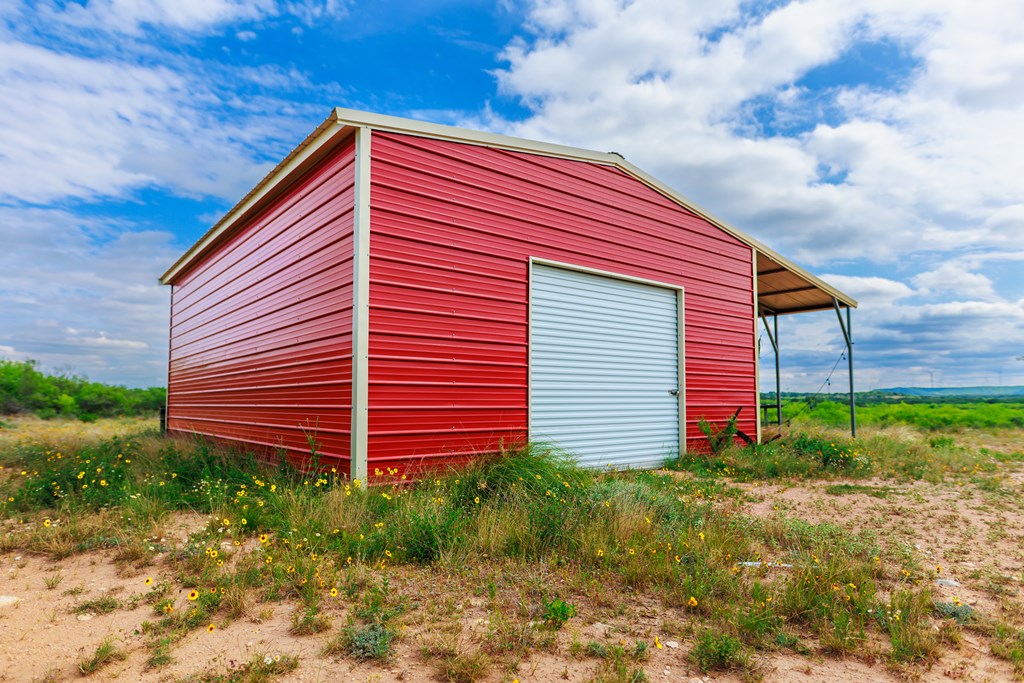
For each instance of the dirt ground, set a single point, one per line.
(972, 532)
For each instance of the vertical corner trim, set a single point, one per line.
(170, 344)
(360, 307)
(681, 371)
(757, 349)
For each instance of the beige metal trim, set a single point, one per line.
(344, 119)
(602, 273)
(437, 131)
(757, 347)
(361, 309)
(452, 133)
(681, 361)
(680, 329)
(327, 133)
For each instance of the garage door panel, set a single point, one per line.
(604, 359)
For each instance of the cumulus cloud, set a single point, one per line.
(81, 127)
(102, 101)
(687, 89)
(134, 17)
(82, 293)
(908, 169)
(953, 278)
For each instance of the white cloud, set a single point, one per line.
(673, 86)
(134, 17)
(871, 291)
(951, 277)
(94, 127)
(923, 166)
(83, 293)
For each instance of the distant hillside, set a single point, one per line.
(954, 392)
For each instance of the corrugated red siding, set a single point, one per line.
(261, 329)
(452, 229)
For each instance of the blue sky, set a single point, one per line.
(876, 143)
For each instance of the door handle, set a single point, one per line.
(674, 392)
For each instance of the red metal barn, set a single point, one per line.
(406, 294)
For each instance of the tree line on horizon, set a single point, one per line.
(24, 388)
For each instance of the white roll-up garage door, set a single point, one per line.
(604, 367)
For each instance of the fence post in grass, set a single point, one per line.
(163, 420)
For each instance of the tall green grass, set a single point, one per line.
(928, 416)
(316, 538)
(829, 455)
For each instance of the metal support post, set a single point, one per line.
(847, 329)
(773, 337)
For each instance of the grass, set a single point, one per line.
(925, 416)
(848, 489)
(508, 527)
(898, 453)
(260, 669)
(620, 662)
(103, 605)
(106, 653)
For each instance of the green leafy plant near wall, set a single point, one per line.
(719, 437)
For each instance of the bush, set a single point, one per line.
(557, 612)
(26, 389)
(718, 651)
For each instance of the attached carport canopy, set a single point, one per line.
(784, 288)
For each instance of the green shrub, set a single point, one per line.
(557, 612)
(719, 651)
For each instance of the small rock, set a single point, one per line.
(952, 583)
(6, 600)
(672, 644)
(86, 617)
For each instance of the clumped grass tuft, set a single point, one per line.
(620, 663)
(260, 669)
(106, 653)
(455, 661)
(1008, 644)
(905, 619)
(719, 652)
(308, 620)
(102, 605)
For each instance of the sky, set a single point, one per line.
(876, 143)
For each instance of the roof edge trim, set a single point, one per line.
(438, 131)
(342, 119)
(396, 124)
(328, 132)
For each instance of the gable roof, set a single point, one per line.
(782, 286)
